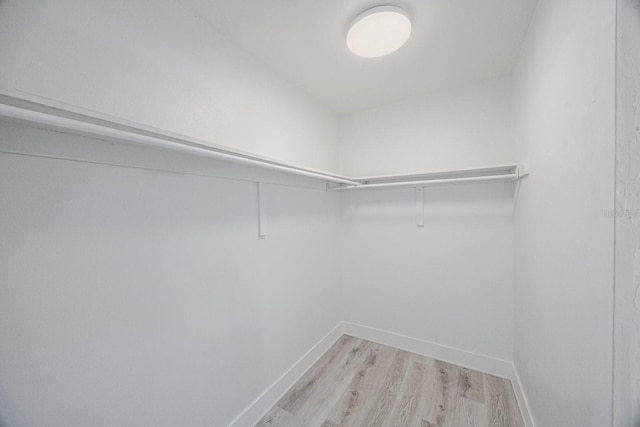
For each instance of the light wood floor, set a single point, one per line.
(361, 383)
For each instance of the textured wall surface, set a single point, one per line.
(565, 97)
(627, 217)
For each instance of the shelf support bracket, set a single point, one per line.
(420, 206)
(262, 215)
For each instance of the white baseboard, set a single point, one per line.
(256, 410)
(489, 365)
(523, 403)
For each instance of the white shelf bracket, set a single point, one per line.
(523, 171)
(420, 206)
(262, 214)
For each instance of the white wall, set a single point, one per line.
(563, 238)
(627, 218)
(135, 297)
(449, 282)
(117, 58)
(459, 128)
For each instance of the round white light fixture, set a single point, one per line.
(379, 31)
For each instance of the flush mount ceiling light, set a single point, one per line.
(379, 31)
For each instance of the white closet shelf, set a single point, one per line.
(501, 173)
(48, 114)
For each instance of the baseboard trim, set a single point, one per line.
(261, 405)
(489, 365)
(523, 402)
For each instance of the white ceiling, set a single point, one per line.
(453, 42)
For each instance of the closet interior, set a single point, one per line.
(244, 213)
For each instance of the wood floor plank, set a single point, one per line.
(471, 385)
(501, 403)
(441, 392)
(379, 414)
(280, 418)
(330, 388)
(304, 389)
(423, 393)
(352, 408)
(406, 410)
(466, 413)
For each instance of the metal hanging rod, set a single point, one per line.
(52, 115)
